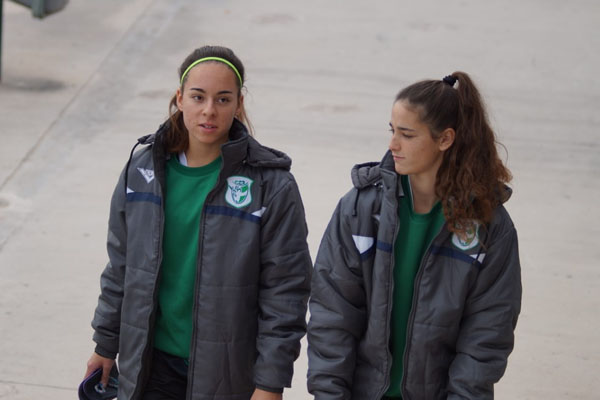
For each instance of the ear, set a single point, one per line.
(240, 104)
(179, 95)
(446, 139)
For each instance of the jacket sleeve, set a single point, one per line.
(337, 312)
(486, 336)
(284, 288)
(106, 322)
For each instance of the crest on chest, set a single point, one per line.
(239, 191)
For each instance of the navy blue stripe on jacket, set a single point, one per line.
(143, 196)
(232, 212)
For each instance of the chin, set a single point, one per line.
(400, 171)
(211, 139)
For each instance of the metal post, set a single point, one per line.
(1, 19)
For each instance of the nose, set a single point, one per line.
(209, 108)
(394, 143)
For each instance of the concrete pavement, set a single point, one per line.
(80, 86)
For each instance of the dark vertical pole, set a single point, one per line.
(1, 19)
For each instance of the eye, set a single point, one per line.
(198, 97)
(224, 100)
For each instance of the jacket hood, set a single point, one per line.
(369, 173)
(365, 174)
(266, 157)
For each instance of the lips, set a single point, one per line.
(208, 128)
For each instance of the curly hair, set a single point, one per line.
(470, 181)
(176, 139)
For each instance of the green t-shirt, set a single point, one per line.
(414, 237)
(186, 192)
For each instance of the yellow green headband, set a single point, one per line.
(224, 61)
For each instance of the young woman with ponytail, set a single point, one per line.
(417, 289)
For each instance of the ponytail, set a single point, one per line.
(177, 138)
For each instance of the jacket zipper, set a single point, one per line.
(389, 310)
(196, 305)
(411, 317)
(209, 198)
(191, 361)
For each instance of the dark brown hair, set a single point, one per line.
(176, 139)
(471, 178)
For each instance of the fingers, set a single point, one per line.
(95, 362)
(88, 372)
(106, 372)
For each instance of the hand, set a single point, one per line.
(260, 394)
(97, 361)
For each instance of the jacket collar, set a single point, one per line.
(241, 148)
(373, 173)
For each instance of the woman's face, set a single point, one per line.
(209, 102)
(414, 150)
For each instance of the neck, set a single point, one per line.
(199, 156)
(423, 192)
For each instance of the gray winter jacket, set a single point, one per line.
(466, 301)
(253, 276)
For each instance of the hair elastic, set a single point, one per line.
(450, 80)
(224, 61)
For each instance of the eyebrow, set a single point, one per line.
(204, 91)
(402, 128)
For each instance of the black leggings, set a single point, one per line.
(168, 378)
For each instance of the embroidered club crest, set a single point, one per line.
(470, 240)
(239, 192)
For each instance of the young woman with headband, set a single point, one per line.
(205, 292)
(417, 289)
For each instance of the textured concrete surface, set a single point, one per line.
(80, 86)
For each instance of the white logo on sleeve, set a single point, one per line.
(148, 174)
(239, 192)
(260, 212)
(363, 243)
